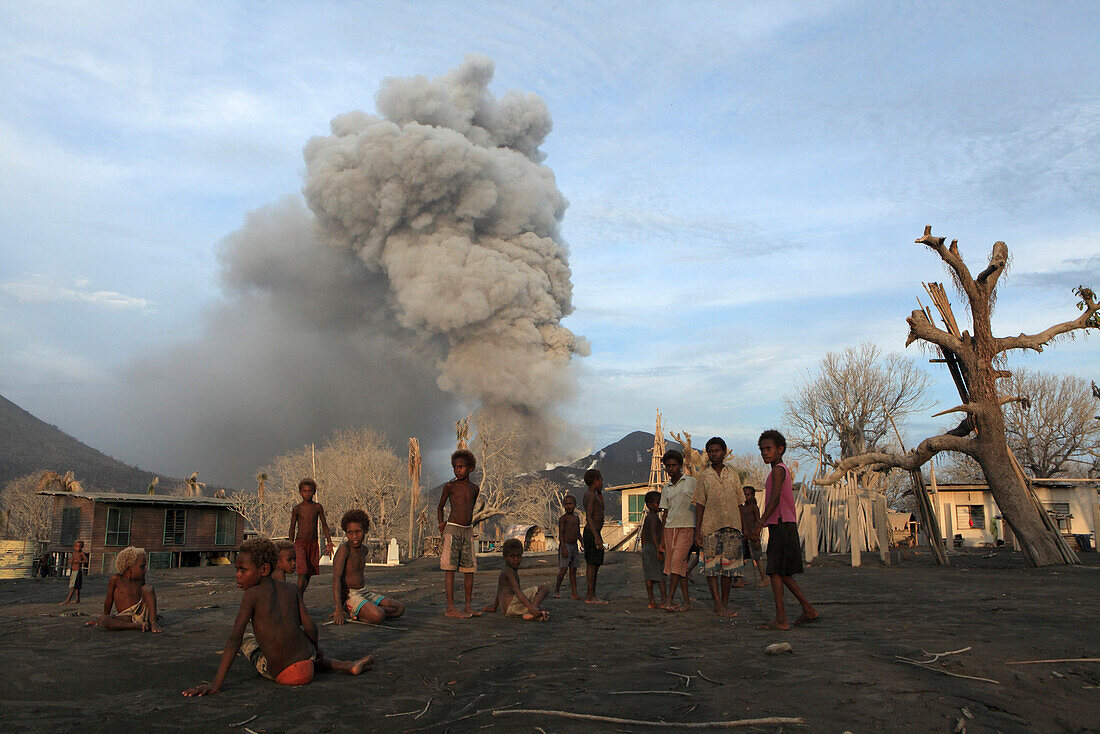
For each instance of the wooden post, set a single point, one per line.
(414, 489)
(854, 532)
(882, 529)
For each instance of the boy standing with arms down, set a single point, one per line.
(569, 556)
(592, 538)
(784, 551)
(717, 501)
(653, 558)
(351, 598)
(76, 572)
(511, 599)
(304, 517)
(459, 552)
(284, 646)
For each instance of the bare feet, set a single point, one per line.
(738, 582)
(453, 612)
(652, 605)
(154, 627)
(595, 600)
(578, 597)
(774, 625)
(725, 612)
(808, 618)
(469, 612)
(361, 664)
(687, 606)
(557, 595)
(764, 582)
(674, 608)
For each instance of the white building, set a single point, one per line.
(969, 511)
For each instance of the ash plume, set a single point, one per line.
(427, 276)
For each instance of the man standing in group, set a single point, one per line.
(717, 501)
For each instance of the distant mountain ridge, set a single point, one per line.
(29, 445)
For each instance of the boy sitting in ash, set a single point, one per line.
(287, 560)
(349, 592)
(127, 592)
(510, 598)
(284, 647)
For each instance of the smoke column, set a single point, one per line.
(445, 195)
(427, 275)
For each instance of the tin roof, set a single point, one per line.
(143, 499)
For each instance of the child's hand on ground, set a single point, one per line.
(202, 690)
(338, 616)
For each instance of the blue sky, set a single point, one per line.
(745, 179)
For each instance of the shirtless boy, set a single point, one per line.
(569, 556)
(127, 592)
(304, 517)
(286, 563)
(592, 538)
(459, 552)
(284, 646)
(76, 572)
(351, 598)
(511, 599)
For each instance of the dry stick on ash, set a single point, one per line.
(773, 720)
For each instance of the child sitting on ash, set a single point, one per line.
(287, 560)
(349, 591)
(284, 647)
(127, 592)
(510, 598)
(653, 558)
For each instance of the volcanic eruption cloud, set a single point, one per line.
(427, 275)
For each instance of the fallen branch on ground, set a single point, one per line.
(775, 720)
(945, 672)
(935, 656)
(476, 647)
(687, 678)
(242, 723)
(709, 680)
(1056, 660)
(666, 693)
(368, 624)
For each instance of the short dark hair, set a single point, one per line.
(307, 482)
(672, 454)
(591, 476)
(748, 488)
(261, 550)
(355, 515)
(569, 497)
(716, 440)
(282, 545)
(465, 454)
(510, 545)
(773, 435)
(652, 495)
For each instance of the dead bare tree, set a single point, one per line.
(27, 513)
(977, 357)
(844, 407)
(497, 447)
(1054, 433)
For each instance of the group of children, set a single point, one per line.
(283, 644)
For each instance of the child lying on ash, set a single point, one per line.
(352, 599)
(284, 647)
(511, 599)
(127, 592)
(287, 562)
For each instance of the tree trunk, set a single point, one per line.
(1014, 501)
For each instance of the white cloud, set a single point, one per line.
(36, 289)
